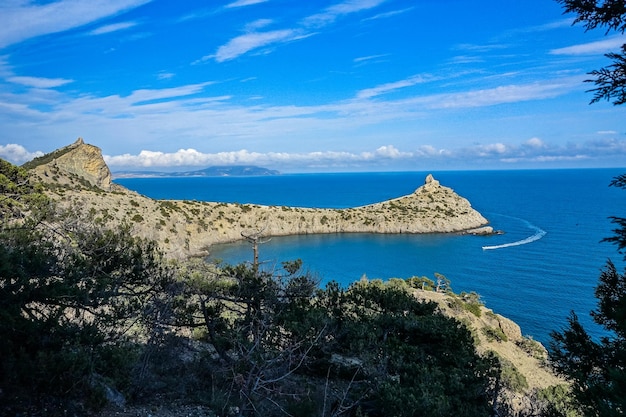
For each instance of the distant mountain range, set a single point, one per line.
(214, 171)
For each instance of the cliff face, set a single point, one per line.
(78, 161)
(184, 228)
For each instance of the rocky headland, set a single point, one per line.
(78, 178)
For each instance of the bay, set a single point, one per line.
(546, 263)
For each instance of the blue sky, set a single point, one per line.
(300, 86)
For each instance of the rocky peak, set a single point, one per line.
(430, 184)
(78, 159)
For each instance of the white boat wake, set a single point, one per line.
(539, 233)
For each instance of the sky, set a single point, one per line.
(307, 86)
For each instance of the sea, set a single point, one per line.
(545, 264)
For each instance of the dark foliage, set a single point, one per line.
(70, 293)
(372, 349)
(610, 81)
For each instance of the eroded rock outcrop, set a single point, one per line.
(78, 161)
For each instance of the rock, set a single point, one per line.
(80, 160)
(113, 396)
(345, 361)
(431, 183)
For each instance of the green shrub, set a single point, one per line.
(421, 283)
(532, 347)
(494, 334)
(474, 308)
(512, 378)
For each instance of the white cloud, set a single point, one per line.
(385, 88)
(241, 3)
(165, 75)
(368, 58)
(392, 152)
(491, 149)
(192, 157)
(189, 114)
(535, 143)
(431, 151)
(495, 152)
(17, 154)
(504, 94)
(389, 14)
(39, 82)
(592, 48)
(26, 20)
(258, 24)
(330, 14)
(245, 43)
(113, 28)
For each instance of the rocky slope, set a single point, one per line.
(78, 178)
(496, 333)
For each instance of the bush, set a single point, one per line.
(495, 334)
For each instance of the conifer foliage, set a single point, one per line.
(610, 81)
(597, 368)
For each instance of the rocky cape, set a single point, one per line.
(78, 178)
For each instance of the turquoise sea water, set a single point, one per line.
(546, 264)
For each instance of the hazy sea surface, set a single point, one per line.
(546, 264)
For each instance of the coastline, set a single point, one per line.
(185, 228)
(80, 180)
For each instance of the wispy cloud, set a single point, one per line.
(331, 13)
(28, 20)
(258, 24)
(386, 88)
(515, 93)
(190, 113)
(592, 48)
(113, 28)
(389, 14)
(546, 27)
(247, 42)
(164, 75)
(242, 3)
(39, 82)
(362, 59)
